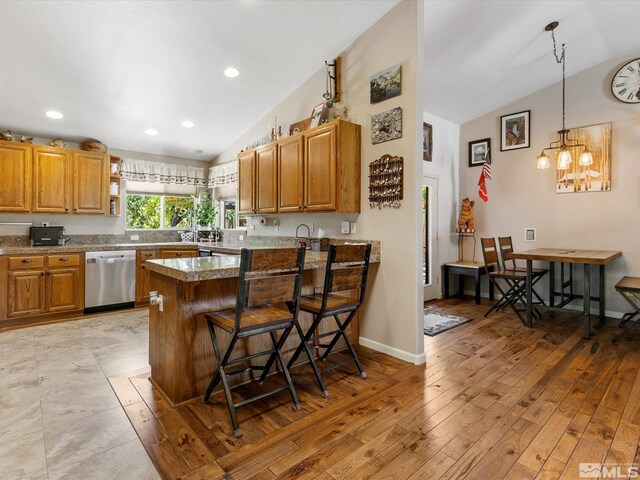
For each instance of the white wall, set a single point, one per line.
(392, 317)
(446, 168)
(520, 196)
(88, 224)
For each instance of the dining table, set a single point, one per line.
(567, 258)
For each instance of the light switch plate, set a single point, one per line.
(353, 227)
(344, 227)
(530, 234)
(135, 237)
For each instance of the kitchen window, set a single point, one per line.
(149, 211)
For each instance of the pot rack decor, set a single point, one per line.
(385, 182)
(564, 142)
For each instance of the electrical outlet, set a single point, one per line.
(353, 227)
(135, 238)
(276, 224)
(311, 228)
(344, 227)
(241, 238)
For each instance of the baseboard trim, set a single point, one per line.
(394, 352)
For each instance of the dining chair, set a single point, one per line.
(346, 269)
(514, 282)
(506, 249)
(267, 302)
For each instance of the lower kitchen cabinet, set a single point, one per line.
(26, 293)
(63, 290)
(142, 275)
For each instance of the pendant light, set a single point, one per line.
(564, 142)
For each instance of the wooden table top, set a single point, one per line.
(568, 255)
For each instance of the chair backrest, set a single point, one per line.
(490, 253)
(347, 269)
(506, 249)
(269, 276)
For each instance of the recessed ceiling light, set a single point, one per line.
(231, 72)
(187, 124)
(53, 114)
(151, 131)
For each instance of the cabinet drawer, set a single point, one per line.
(63, 260)
(144, 255)
(26, 262)
(178, 253)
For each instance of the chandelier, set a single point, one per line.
(564, 142)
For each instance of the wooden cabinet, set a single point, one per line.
(290, 174)
(178, 253)
(320, 169)
(90, 183)
(51, 180)
(314, 171)
(15, 175)
(42, 284)
(142, 274)
(63, 289)
(26, 293)
(246, 182)
(267, 179)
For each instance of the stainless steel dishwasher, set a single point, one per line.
(109, 280)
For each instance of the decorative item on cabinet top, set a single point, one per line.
(385, 182)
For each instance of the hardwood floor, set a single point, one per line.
(495, 400)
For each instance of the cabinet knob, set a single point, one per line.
(178, 254)
(66, 209)
(64, 259)
(42, 274)
(147, 254)
(27, 260)
(75, 209)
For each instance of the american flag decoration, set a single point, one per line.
(484, 176)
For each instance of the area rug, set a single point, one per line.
(436, 322)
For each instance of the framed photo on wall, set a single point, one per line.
(478, 151)
(514, 131)
(427, 142)
(386, 84)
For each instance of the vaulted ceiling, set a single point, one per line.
(481, 55)
(118, 68)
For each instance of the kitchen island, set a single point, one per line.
(180, 351)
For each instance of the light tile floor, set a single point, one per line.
(59, 417)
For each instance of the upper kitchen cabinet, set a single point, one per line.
(246, 182)
(15, 175)
(267, 179)
(314, 171)
(51, 180)
(290, 174)
(90, 182)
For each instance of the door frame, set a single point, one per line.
(433, 290)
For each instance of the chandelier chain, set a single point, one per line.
(560, 59)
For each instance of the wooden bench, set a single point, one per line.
(462, 269)
(629, 288)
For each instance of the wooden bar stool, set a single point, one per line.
(629, 288)
(267, 278)
(347, 267)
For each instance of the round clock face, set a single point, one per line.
(625, 85)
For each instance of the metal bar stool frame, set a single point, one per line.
(335, 280)
(280, 271)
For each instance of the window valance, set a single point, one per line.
(172, 174)
(225, 174)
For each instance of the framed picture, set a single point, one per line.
(530, 234)
(592, 178)
(386, 126)
(514, 131)
(478, 150)
(316, 115)
(386, 84)
(427, 142)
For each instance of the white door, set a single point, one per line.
(430, 265)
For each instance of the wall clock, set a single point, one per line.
(625, 84)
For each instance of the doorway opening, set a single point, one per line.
(430, 272)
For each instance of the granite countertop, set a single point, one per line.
(76, 247)
(209, 268)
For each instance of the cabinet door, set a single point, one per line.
(15, 177)
(290, 175)
(51, 180)
(143, 279)
(90, 183)
(246, 182)
(320, 169)
(267, 179)
(63, 289)
(26, 293)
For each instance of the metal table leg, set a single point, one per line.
(552, 284)
(586, 301)
(601, 293)
(529, 293)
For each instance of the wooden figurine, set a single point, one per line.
(465, 220)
